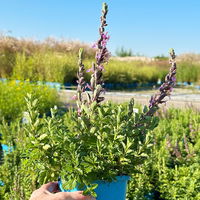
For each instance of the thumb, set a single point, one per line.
(51, 186)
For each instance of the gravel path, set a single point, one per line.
(180, 98)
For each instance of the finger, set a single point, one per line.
(51, 186)
(70, 195)
(82, 197)
(91, 198)
(62, 195)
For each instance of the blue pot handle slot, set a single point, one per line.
(61, 187)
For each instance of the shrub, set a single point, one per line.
(31, 164)
(12, 102)
(49, 66)
(189, 72)
(123, 52)
(161, 57)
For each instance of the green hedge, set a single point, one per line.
(60, 67)
(12, 98)
(56, 67)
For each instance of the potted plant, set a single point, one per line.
(106, 142)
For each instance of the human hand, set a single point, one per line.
(50, 191)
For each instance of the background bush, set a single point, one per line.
(121, 52)
(12, 98)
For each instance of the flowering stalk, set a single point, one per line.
(96, 81)
(166, 88)
(102, 56)
(80, 81)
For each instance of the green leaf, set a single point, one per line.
(93, 130)
(46, 147)
(43, 136)
(145, 109)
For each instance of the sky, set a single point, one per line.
(148, 27)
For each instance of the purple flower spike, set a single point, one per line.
(102, 56)
(96, 81)
(173, 78)
(164, 91)
(166, 88)
(98, 56)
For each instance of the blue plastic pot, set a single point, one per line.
(115, 190)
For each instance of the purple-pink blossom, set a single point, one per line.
(90, 70)
(105, 38)
(94, 45)
(79, 111)
(173, 78)
(74, 97)
(101, 67)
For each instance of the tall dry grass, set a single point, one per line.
(11, 47)
(30, 46)
(56, 61)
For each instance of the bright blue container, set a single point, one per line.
(115, 190)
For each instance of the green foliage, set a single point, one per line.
(10, 47)
(12, 102)
(104, 143)
(7, 61)
(188, 72)
(123, 52)
(172, 172)
(48, 66)
(178, 155)
(58, 67)
(183, 182)
(15, 182)
(83, 150)
(140, 184)
(78, 149)
(34, 159)
(133, 71)
(161, 58)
